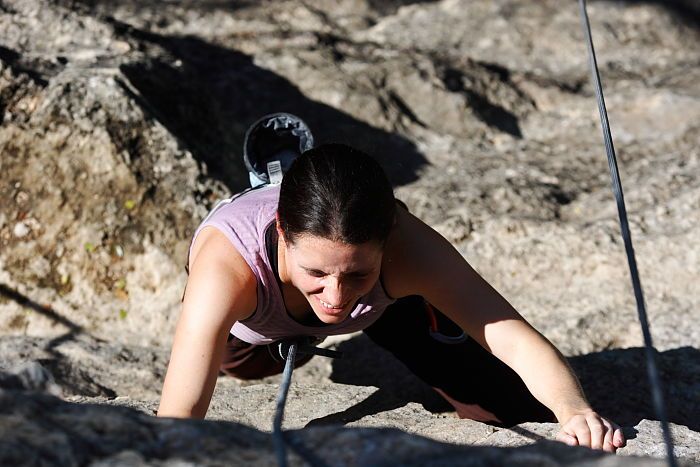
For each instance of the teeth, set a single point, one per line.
(327, 305)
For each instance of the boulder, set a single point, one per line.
(122, 125)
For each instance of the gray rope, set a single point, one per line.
(650, 351)
(288, 351)
(277, 436)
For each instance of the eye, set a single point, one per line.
(357, 277)
(315, 273)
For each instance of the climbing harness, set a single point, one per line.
(650, 351)
(434, 331)
(307, 345)
(288, 350)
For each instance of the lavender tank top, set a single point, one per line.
(245, 220)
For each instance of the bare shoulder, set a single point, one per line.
(217, 268)
(210, 238)
(409, 254)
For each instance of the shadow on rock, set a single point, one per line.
(48, 431)
(69, 374)
(44, 310)
(390, 7)
(366, 364)
(685, 11)
(74, 330)
(617, 385)
(207, 96)
(615, 382)
(139, 6)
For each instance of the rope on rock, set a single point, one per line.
(288, 351)
(277, 436)
(650, 351)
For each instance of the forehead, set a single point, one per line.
(332, 256)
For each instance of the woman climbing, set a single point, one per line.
(331, 251)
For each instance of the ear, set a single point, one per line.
(278, 226)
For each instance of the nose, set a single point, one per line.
(334, 291)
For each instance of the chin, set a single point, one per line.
(325, 319)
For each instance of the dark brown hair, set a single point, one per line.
(339, 193)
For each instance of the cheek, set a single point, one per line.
(306, 283)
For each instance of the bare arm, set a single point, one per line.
(220, 291)
(438, 272)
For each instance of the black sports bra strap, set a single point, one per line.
(271, 249)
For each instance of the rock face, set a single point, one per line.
(41, 429)
(122, 125)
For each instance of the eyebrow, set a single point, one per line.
(351, 273)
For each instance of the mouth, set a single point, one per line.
(330, 309)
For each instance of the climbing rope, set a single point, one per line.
(650, 351)
(277, 435)
(288, 351)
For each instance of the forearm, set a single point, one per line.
(185, 399)
(191, 376)
(547, 375)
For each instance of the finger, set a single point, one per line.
(583, 433)
(597, 430)
(619, 438)
(567, 439)
(608, 445)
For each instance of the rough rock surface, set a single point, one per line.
(122, 123)
(39, 429)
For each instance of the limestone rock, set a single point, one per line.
(84, 366)
(122, 124)
(38, 428)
